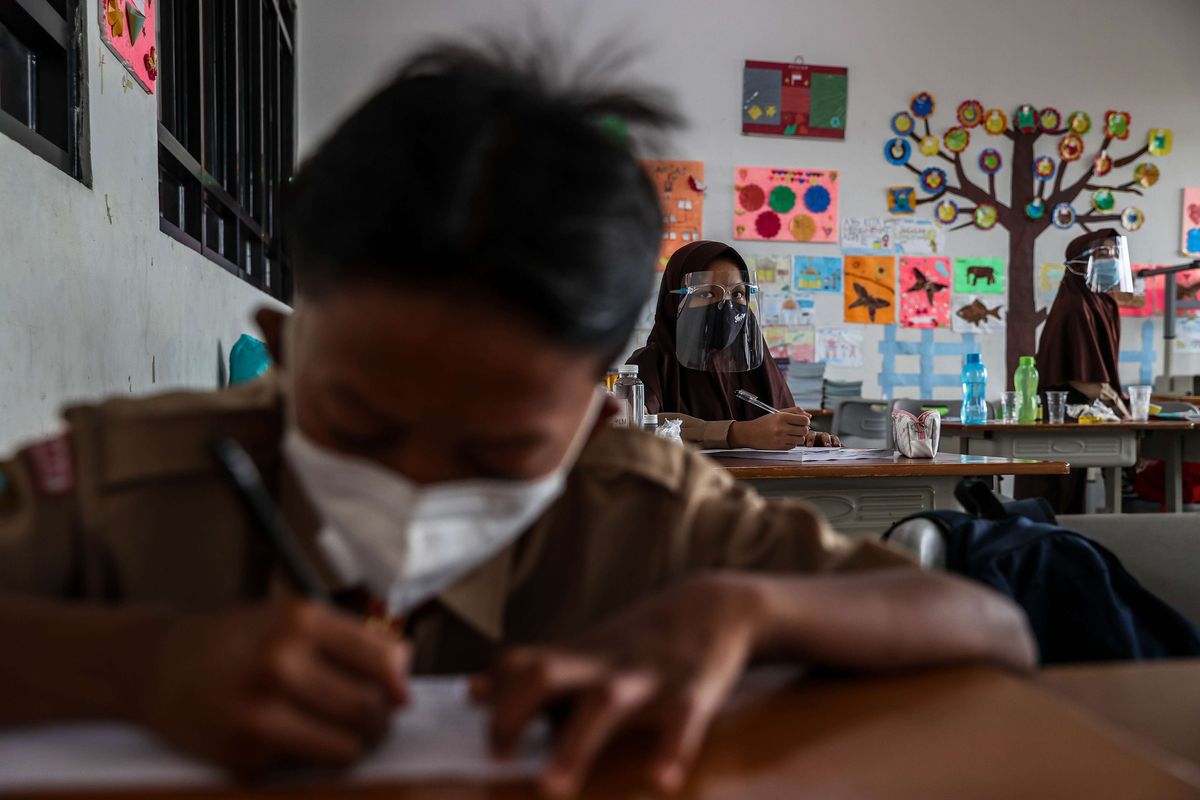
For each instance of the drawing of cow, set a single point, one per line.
(979, 272)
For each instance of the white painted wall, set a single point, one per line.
(1089, 54)
(94, 300)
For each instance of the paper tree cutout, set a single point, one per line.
(1039, 194)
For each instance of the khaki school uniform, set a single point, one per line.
(129, 506)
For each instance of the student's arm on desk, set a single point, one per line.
(669, 662)
(781, 431)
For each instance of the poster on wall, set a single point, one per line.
(1146, 300)
(772, 272)
(1049, 276)
(802, 344)
(1191, 223)
(681, 187)
(840, 347)
(817, 273)
(787, 308)
(979, 276)
(794, 99)
(978, 313)
(127, 27)
(870, 289)
(1187, 335)
(917, 237)
(789, 205)
(924, 292)
(866, 235)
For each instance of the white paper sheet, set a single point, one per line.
(808, 455)
(440, 736)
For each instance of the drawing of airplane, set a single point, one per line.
(923, 284)
(865, 300)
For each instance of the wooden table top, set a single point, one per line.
(948, 734)
(941, 465)
(1176, 398)
(958, 428)
(1157, 701)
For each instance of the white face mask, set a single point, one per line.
(408, 542)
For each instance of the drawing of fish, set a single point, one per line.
(977, 312)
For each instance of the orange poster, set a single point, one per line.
(681, 188)
(870, 289)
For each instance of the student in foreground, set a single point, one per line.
(435, 435)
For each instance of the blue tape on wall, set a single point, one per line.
(1147, 356)
(926, 349)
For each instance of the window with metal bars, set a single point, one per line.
(226, 131)
(43, 102)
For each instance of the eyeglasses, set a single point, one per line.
(707, 293)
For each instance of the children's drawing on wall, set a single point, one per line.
(1146, 300)
(866, 235)
(924, 292)
(817, 273)
(798, 205)
(917, 237)
(979, 276)
(1191, 223)
(1187, 335)
(974, 313)
(787, 308)
(1049, 277)
(840, 347)
(794, 99)
(802, 344)
(681, 188)
(870, 293)
(773, 273)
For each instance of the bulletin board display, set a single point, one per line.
(794, 99)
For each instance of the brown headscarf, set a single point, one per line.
(1082, 337)
(672, 387)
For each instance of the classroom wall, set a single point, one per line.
(94, 299)
(1088, 54)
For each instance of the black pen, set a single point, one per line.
(742, 394)
(270, 523)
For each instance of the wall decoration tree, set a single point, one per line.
(1039, 193)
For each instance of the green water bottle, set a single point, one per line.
(1026, 383)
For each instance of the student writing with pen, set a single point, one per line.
(706, 345)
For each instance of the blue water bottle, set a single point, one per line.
(974, 383)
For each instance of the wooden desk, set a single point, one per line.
(1158, 702)
(898, 486)
(942, 735)
(1176, 398)
(1108, 445)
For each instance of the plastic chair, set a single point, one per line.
(863, 423)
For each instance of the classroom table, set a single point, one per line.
(1110, 446)
(1176, 398)
(945, 734)
(898, 486)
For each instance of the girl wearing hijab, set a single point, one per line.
(706, 345)
(1079, 347)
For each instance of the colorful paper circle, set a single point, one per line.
(957, 139)
(1043, 168)
(922, 105)
(1146, 174)
(1063, 216)
(897, 151)
(902, 123)
(1070, 147)
(1132, 219)
(804, 228)
(986, 216)
(990, 161)
(1103, 200)
(1079, 122)
(1035, 208)
(933, 179)
(782, 199)
(929, 146)
(1103, 164)
(970, 113)
(1116, 124)
(1025, 119)
(1159, 141)
(817, 199)
(767, 224)
(995, 121)
(946, 212)
(751, 197)
(1049, 119)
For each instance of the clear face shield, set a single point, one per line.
(1105, 266)
(717, 325)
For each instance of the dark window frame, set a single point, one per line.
(56, 123)
(227, 132)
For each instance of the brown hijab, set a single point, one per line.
(1082, 337)
(672, 387)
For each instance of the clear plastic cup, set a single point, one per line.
(1139, 402)
(1056, 407)
(1010, 405)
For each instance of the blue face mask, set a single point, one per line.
(1106, 274)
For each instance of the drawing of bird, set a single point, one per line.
(923, 284)
(867, 301)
